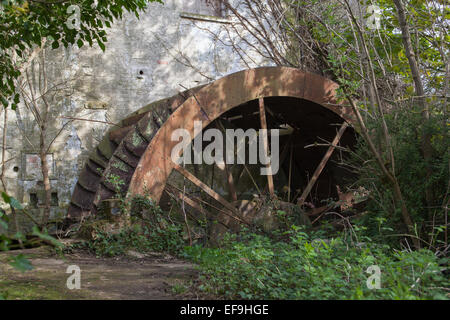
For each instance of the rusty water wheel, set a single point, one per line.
(233, 195)
(139, 154)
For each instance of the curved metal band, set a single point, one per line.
(217, 98)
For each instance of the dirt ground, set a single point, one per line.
(134, 276)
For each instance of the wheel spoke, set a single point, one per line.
(290, 172)
(228, 172)
(322, 164)
(262, 115)
(178, 195)
(196, 204)
(205, 188)
(230, 181)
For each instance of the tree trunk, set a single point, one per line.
(46, 178)
(427, 148)
(5, 131)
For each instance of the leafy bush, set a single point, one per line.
(19, 262)
(138, 239)
(151, 230)
(411, 172)
(257, 267)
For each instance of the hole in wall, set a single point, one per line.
(55, 201)
(34, 200)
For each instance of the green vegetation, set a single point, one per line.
(304, 267)
(152, 232)
(290, 263)
(19, 262)
(301, 262)
(136, 238)
(384, 223)
(47, 289)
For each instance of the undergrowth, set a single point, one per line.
(305, 267)
(140, 239)
(290, 263)
(149, 230)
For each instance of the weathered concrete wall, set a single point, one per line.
(145, 60)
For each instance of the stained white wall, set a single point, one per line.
(171, 52)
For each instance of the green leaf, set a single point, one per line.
(16, 204)
(11, 201)
(47, 237)
(3, 224)
(80, 43)
(21, 263)
(6, 198)
(20, 236)
(4, 102)
(101, 44)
